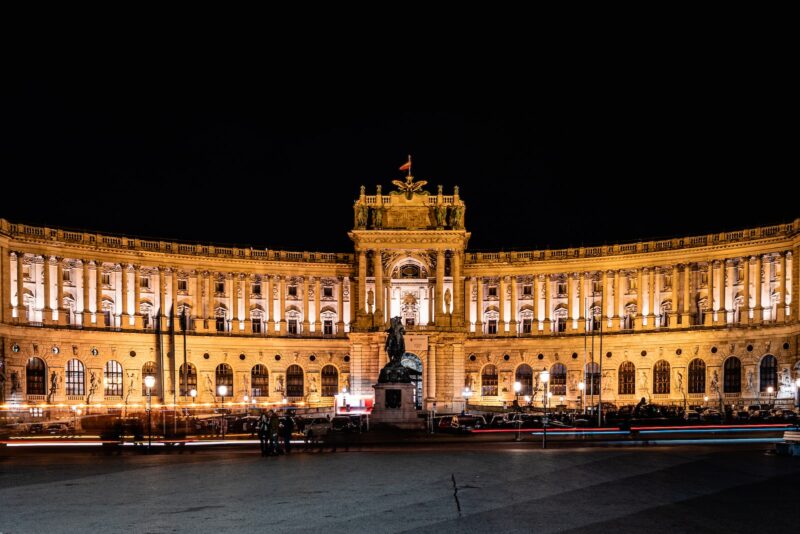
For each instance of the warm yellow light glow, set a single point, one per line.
(222, 390)
(544, 376)
(581, 386)
(517, 387)
(770, 389)
(193, 393)
(149, 381)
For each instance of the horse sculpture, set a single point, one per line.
(395, 348)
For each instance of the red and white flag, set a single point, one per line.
(407, 165)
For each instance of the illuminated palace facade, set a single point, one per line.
(684, 318)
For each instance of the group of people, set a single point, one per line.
(270, 430)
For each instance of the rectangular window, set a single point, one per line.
(526, 326)
(256, 288)
(739, 273)
(107, 316)
(704, 279)
(491, 327)
(144, 282)
(327, 291)
(256, 326)
(632, 284)
(561, 324)
(219, 287)
(183, 285)
(26, 273)
(527, 290)
(327, 328)
(105, 279)
(492, 291)
(561, 288)
(66, 275)
(292, 291)
(292, 324)
(667, 281)
(597, 286)
(409, 321)
(220, 324)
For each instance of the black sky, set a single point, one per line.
(268, 175)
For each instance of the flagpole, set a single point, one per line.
(409, 164)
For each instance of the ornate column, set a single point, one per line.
(47, 312)
(137, 297)
(235, 317)
(98, 296)
(173, 292)
(721, 308)
(467, 301)
(431, 300)
(458, 299)
(162, 296)
(282, 305)
(22, 316)
(795, 306)
(616, 320)
(639, 299)
(582, 301)
(676, 296)
(62, 312)
(6, 290)
(758, 310)
(212, 301)
(501, 324)
(729, 285)
(432, 372)
(687, 291)
(536, 289)
(744, 313)
(549, 327)
(361, 297)
(479, 307)
(651, 297)
(439, 312)
(340, 307)
(514, 330)
(199, 304)
(269, 304)
(571, 278)
(306, 322)
(708, 317)
(377, 270)
(317, 305)
(604, 312)
(246, 281)
(782, 288)
(124, 317)
(87, 315)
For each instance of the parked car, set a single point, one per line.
(315, 428)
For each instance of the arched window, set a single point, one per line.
(330, 381)
(224, 376)
(76, 376)
(35, 375)
(259, 380)
(188, 379)
(697, 376)
(149, 369)
(295, 385)
(733, 375)
(769, 373)
(489, 381)
(524, 376)
(112, 374)
(558, 380)
(661, 377)
(592, 378)
(627, 378)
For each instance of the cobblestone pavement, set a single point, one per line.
(510, 488)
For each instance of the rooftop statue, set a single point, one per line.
(409, 187)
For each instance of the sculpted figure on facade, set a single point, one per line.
(441, 211)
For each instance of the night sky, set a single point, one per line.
(269, 176)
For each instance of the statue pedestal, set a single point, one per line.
(394, 405)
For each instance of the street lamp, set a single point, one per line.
(517, 389)
(467, 393)
(581, 388)
(770, 390)
(544, 377)
(193, 394)
(222, 390)
(149, 382)
(527, 401)
(344, 400)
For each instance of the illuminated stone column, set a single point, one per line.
(709, 315)
(687, 290)
(571, 301)
(6, 291)
(639, 299)
(793, 294)
(582, 301)
(306, 322)
(431, 301)
(62, 312)
(211, 294)
(199, 304)
(537, 294)
(377, 271)
(479, 307)
(269, 304)
(162, 302)
(282, 305)
(125, 307)
(605, 300)
(439, 311)
(467, 301)
(651, 297)
(744, 313)
(458, 286)
(782, 288)
(616, 320)
(501, 327)
(758, 310)
(432, 372)
(340, 307)
(22, 315)
(98, 295)
(729, 288)
(722, 315)
(361, 298)
(514, 306)
(87, 315)
(246, 281)
(549, 327)
(47, 311)
(138, 322)
(675, 295)
(317, 311)
(235, 318)
(173, 292)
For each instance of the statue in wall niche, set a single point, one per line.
(715, 382)
(447, 299)
(361, 215)
(455, 216)
(370, 298)
(786, 381)
(312, 384)
(279, 384)
(92, 386)
(750, 380)
(441, 210)
(377, 217)
(15, 386)
(680, 382)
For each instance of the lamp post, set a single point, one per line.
(222, 390)
(770, 390)
(544, 377)
(193, 395)
(344, 400)
(581, 388)
(705, 401)
(149, 382)
(527, 399)
(517, 389)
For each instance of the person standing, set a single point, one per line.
(263, 432)
(274, 427)
(288, 428)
